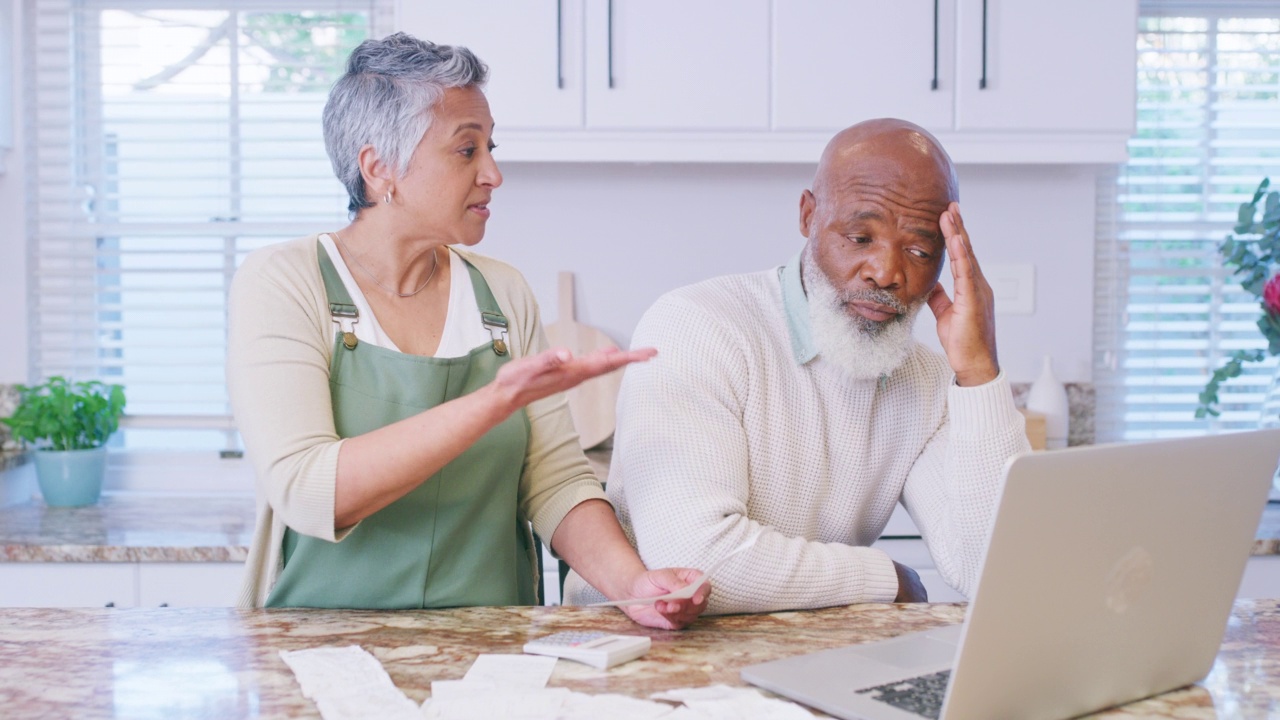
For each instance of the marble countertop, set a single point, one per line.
(222, 663)
(129, 527)
(137, 527)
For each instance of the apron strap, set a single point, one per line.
(490, 314)
(341, 308)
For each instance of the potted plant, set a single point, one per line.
(1254, 252)
(68, 423)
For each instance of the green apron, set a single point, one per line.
(456, 539)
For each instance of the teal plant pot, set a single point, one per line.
(71, 478)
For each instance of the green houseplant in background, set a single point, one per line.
(68, 424)
(1254, 252)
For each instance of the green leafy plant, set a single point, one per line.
(63, 415)
(1254, 252)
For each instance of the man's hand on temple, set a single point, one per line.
(966, 325)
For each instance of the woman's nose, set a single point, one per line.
(490, 175)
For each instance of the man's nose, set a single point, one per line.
(883, 269)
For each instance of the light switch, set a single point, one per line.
(1014, 286)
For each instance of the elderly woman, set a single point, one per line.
(404, 416)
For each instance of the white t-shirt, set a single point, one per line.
(463, 331)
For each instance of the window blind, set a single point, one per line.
(1167, 312)
(168, 140)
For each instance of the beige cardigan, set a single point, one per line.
(280, 342)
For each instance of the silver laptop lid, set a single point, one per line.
(1110, 574)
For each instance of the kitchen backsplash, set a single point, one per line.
(1081, 406)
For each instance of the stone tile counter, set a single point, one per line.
(222, 663)
(130, 527)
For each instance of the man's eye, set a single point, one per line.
(860, 239)
(920, 254)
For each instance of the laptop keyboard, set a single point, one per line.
(920, 695)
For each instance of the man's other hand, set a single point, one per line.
(910, 589)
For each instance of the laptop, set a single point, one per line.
(1109, 576)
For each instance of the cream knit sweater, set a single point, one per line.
(279, 346)
(725, 434)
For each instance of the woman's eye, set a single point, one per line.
(468, 151)
(492, 146)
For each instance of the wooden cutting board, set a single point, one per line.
(594, 402)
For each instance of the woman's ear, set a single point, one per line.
(379, 182)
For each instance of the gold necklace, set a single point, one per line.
(435, 263)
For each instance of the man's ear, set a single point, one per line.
(377, 175)
(807, 204)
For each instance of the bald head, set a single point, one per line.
(888, 151)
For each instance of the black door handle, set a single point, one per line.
(982, 84)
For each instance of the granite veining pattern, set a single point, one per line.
(224, 663)
(130, 528)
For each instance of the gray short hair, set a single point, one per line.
(385, 100)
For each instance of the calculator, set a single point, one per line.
(600, 649)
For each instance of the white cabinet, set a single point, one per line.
(1050, 67)
(125, 584)
(68, 584)
(771, 80)
(533, 50)
(612, 64)
(677, 64)
(1030, 74)
(203, 584)
(836, 62)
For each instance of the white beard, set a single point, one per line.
(864, 349)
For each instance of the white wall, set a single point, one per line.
(13, 244)
(632, 232)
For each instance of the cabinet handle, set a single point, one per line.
(560, 44)
(982, 84)
(934, 86)
(610, 44)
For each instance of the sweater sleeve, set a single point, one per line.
(681, 463)
(278, 381)
(954, 486)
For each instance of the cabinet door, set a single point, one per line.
(677, 64)
(68, 584)
(838, 62)
(533, 50)
(194, 584)
(1050, 66)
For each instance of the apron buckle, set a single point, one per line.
(346, 316)
(497, 327)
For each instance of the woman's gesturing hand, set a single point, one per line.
(529, 379)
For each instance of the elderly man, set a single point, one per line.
(794, 405)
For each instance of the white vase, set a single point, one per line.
(1048, 396)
